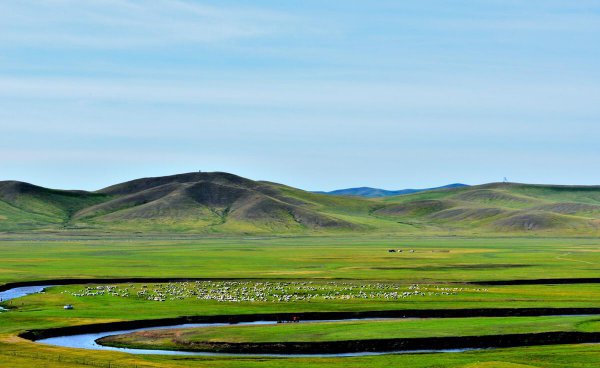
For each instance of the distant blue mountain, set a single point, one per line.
(376, 192)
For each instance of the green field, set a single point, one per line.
(352, 257)
(328, 264)
(359, 330)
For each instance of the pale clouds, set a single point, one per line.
(452, 94)
(129, 23)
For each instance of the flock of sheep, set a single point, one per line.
(267, 291)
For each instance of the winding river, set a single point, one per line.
(88, 339)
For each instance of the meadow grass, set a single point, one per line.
(439, 261)
(357, 330)
(357, 257)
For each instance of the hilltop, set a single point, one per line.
(223, 203)
(204, 202)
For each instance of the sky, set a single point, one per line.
(315, 94)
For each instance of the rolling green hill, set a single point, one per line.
(225, 203)
(25, 206)
(196, 202)
(501, 208)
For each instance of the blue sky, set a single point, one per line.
(314, 94)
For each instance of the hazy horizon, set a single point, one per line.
(319, 96)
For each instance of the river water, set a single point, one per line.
(21, 291)
(88, 341)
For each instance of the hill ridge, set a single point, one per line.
(224, 203)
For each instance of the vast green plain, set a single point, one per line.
(436, 262)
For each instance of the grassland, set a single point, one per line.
(356, 330)
(359, 259)
(352, 257)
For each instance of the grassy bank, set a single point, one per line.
(354, 330)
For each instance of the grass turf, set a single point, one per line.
(354, 330)
(320, 259)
